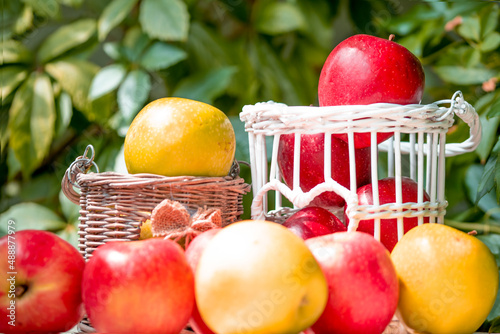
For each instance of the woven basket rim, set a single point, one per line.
(153, 178)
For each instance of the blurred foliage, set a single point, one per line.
(76, 72)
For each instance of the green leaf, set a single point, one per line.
(14, 52)
(472, 181)
(64, 113)
(490, 42)
(487, 181)
(45, 8)
(66, 38)
(134, 43)
(107, 80)
(161, 55)
(133, 93)
(167, 20)
(464, 76)
(75, 77)
(497, 175)
(489, 19)
(69, 233)
(31, 122)
(70, 210)
(279, 17)
(489, 134)
(206, 86)
(471, 28)
(24, 21)
(493, 243)
(31, 216)
(43, 115)
(71, 3)
(113, 50)
(113, 15)
(11, 77)
(494, 109)
(20, 127)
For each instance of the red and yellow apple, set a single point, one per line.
(362, 283)
(312, 165)
(143, 286)
(387, 194)
(365, 69)
(40, 283)
(313, 221)
(176, 136)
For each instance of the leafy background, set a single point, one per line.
(76, 72)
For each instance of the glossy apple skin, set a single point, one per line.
(51, 269)
(365, 69)
(387, 194)
(193, 254)
(312, 222)
(362, 284)
(143, 286)
(312, 165)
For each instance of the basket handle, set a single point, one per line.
(468, 114)
(82, 164)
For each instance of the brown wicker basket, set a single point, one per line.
(113, 205)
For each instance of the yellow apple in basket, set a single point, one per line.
(177, 136)
(448, 280)
(258, 277)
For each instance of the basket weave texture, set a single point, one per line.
(114, 205)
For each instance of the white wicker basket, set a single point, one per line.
(423, 151)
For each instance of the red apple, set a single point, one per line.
(141, 286)
(312, 165)
(193, 254)
(387, 194)
(365, 69)
(40, 283)
(362, 283)
(312, 222)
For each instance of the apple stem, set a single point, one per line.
(20, 290)
(391, 37)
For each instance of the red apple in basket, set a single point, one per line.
(365, 69)
(40, 283)
(362, 284)
(193, 254)
(312, 165)
(387, 194)
(312, 222)
(141, 286)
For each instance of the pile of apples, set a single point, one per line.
(252, 277)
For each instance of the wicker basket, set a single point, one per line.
(113, 205)
(423, 153)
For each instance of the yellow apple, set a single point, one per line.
(258, 277)
(176, 136)
(448, 280)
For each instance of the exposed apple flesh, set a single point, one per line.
(313, 222)
(365, 69)
(387, 194)
(312, 165)
(362, 284)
